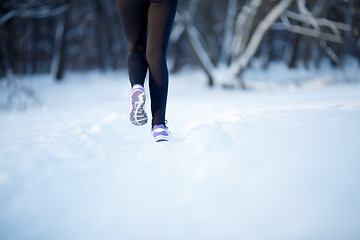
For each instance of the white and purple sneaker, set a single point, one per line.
(161, 133)
(138, 115)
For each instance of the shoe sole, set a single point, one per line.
(138, 111)
(162, 139)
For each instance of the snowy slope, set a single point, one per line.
(278, 164)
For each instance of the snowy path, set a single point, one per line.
(241, 165)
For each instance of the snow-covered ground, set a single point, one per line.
(270, 164)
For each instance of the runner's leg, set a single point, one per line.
(160, 20)
(134, 18)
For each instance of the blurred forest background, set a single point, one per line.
(57, 36)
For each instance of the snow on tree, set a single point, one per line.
(244, 32)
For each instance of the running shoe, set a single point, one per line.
(161, 133)
(138, 115)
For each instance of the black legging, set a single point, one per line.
(147, 25)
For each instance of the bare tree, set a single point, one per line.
(216, 72)
(244, 33)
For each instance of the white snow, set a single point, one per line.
(271, 164)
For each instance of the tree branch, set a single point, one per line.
(34, 13)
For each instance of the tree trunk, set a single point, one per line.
(60, 50)
(106, 28)
(243, 61)
(294, 55)
(225, 53)
(243, 27)
(200, 53)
